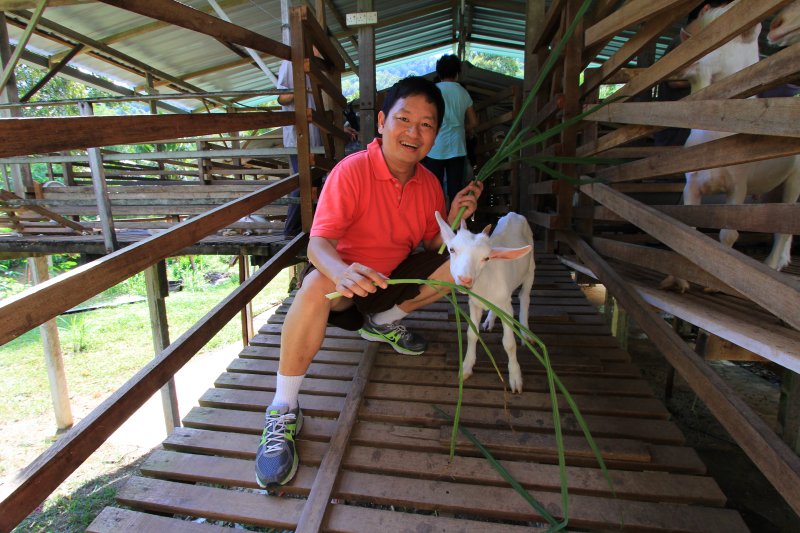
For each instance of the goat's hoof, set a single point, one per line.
(465, 374)
(676, 284)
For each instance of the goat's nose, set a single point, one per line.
(465, 281)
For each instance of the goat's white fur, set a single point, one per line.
(736, 181)
(493, 267)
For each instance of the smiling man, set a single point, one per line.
(376, 208)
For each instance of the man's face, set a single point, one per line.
(408, 129)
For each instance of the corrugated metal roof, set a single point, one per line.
(202, 63)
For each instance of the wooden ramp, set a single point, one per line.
(377, 408)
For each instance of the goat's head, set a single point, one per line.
(785, 27)
(471, 252)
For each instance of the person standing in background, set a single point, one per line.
(447, 158)
(285, 81)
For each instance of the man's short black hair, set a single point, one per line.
(448, 66)
(415, 85)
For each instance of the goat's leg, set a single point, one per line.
(691, 196)
(510, 345)
(475, 313)
(780, 256)
(525, 293)
(735, 197)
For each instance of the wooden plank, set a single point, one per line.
(251, 400)
(250, 422)
(192, 19)
(210, 502)
(718, 32)
(113, 520)
(584, 511)
(60, 134)
(760, 116)
(315, 370)
(732, 150)
(775, 70)
(21, 495)
(319, 38)
(313, 513)
(633, 485)
(630, 14)
(237, 445)
(400, 412)
(588, 404)
(25, 311)
(779, 344)
(766, 218)
(775, 292)
(775, 460)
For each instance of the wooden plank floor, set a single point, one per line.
(395, 474)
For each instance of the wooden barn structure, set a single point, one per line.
(374, 449)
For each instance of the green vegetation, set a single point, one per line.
(104, 347)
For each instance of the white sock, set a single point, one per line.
(287, 390)
(395, 314)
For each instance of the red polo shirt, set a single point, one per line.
(377, 221)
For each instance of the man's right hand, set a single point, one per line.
(359, 280)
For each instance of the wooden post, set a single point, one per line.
(301, 108)
(366, 76)
(20, 174)
(155, 278)
(534, 25)
(247, 310)
(52, 353)
(789, 409)
(154, 111)
(100, 191)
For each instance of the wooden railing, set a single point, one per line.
(763, 129)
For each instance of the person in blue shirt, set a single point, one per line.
(447, 158)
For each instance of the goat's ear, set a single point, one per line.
(487, 230)
(463, 225)
(509, 253)
(444, 228)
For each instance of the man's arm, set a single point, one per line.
(470, 121)
(351, 280)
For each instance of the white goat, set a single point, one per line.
(735, 181)
(785, 27)
(475, 263)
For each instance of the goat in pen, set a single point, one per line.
(493, 267)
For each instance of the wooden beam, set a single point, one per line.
(58, 134)
(775, 459)
(24, 492)
(186, 17)
(723, 152)
(775, 70)
(630, 14)
(34, 306)
(651, 30)
(775, 292)
(758, 116)
(146, 28)
(765, 218)
(319, 498)
(52, 73)
(717, 33)
(11, 5)
(398, 19)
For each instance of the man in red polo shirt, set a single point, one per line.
(376, 207)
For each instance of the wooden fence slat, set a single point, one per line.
(772, 456)
(775, 292)
(114, 520)
(22, 494)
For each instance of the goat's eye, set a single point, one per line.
(486, 259)
(451, 250)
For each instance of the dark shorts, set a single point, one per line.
(416, 266)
